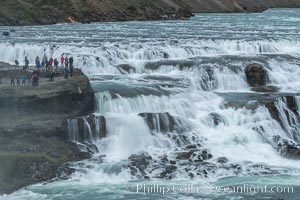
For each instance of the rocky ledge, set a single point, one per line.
(35, 144)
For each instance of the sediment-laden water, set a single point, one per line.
(179, 111)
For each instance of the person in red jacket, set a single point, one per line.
(50, 62)
(62, 60)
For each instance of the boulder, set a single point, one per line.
(126, 69)
(215, 119)
(287, 148)
(222, 160)
(82, 151)
(256, 75)
(5, 33)
(139, 163)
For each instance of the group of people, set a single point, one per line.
(48, 65)
(13, 83)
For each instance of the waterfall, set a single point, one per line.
(87, 130)
(73, 130)
(289, 120)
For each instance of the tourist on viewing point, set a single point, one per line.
(44, 61)
(24, 78)
(17, 63)
(62, 60)
(66, 62)
(66, 73)
(50, 62)
(12, 82)
(18, 82)
(55, 63)
(26, 63)
(37, 62)
(71, 61)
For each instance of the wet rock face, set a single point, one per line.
(162, 122)
(287, 148)
(34, 132)
(138, 164)
(256, 75)
(215, 119)
(5, 34)
(126, 69)
(72, 97)
(82, 150)
(86, 129)
(284, 110)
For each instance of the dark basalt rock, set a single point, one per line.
(5, 33)
(33, 128)
(256, 75)
(64, 172)
(90, 128)
(167, 173)
(210, 72)
(126, 69)
(216, 119)
(82, 151)
(139, 163)
(289, 109)
(287, 148)
(222, 160)
(163, 122)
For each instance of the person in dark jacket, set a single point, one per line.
(24, 78)
(56, 63)
(66, 73)
(26, 63)
(71, 61)
(37, 62)
(18, 82)
(12, 82)
(17, 63)
(66, 62)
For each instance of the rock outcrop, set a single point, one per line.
(34, 136)
(256, 75)
(162, 122)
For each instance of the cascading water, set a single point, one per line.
(73, 130)
(174, 104)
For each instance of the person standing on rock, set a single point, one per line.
(45, 61)
(26, 63)
(18, 82)
(17, 63)
(37, 62)
(55, 63)
(24, 78)
(50, 63)
(12, 82)
(52, 74)
(62, 60)
(71, 61)
(66, 62)
(66, 73)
